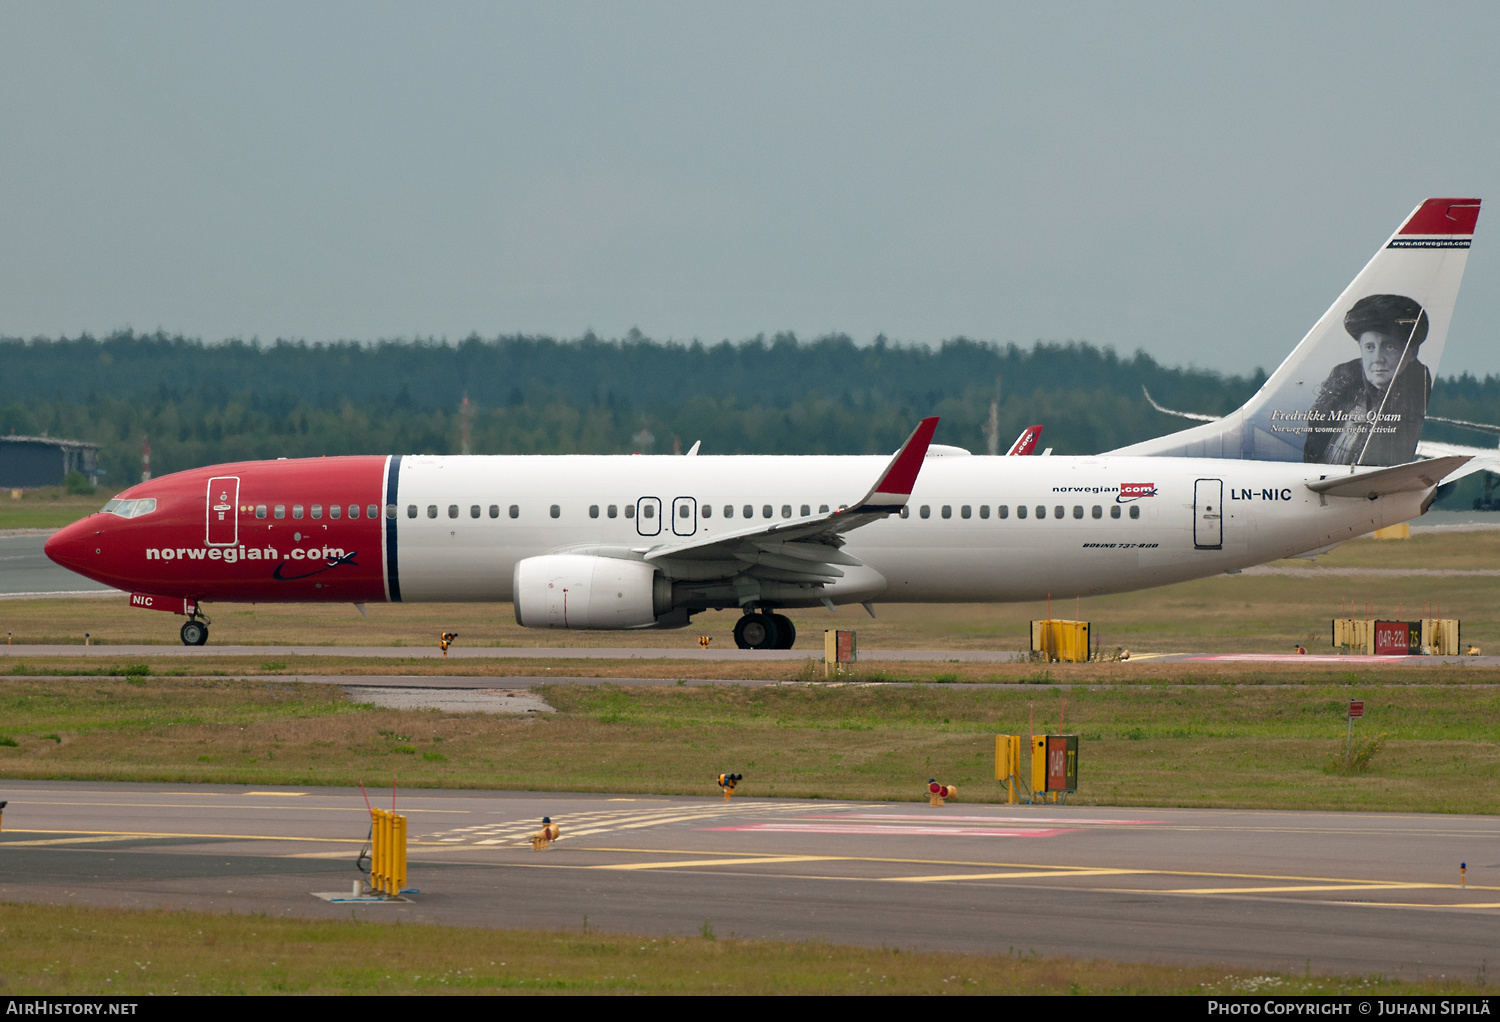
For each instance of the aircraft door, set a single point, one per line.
(648, 516)
(223, 507)
(684, 516)
(1208, 514)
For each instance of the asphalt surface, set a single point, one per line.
(1342, 893)
(25, 570)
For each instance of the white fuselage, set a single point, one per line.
(1196, 517)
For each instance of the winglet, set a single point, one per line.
(1025, 443)
(891, 492)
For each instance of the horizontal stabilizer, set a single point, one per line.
(1417, 475)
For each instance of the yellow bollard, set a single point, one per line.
(387, 852)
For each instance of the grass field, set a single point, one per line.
(47, 950)
(1205, 745)
(46, 508)
(1229, 614)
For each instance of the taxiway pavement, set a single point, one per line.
(1345, 893)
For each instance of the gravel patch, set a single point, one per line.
(453, 700)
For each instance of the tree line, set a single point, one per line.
(203, 403)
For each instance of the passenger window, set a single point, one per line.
(1098, 511)
(1114, 512)
(1058, 511)
(452, 510)
(905, 512)
(629, 510)
(260, 510)
(822, 509)
(515, 510)
(1020, 511)
(334, 511)
(649, 510)
(354, 511)
(1135, 510)
(683, 511)
(947, 510)
(614, 510)
(473, 510)
(766, 511)
(280, 511)
(296, 510)
(494, 510)
(1002, 510)
(1077, 510)
(593, 510)
(806, 510)
(786, 510)
(965, 511)
(556, 511)
(708, 510)
(431, 510)
(373, 511)
(926, 511)
(984, 510)
(749, 511)
(728, 510)
(317, 510)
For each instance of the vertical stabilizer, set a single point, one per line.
(1354, 392)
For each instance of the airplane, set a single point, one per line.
(1026, 443)
(630, 541)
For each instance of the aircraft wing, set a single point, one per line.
(1481, 459)
(799, 549)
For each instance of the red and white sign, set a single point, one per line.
(1356, 708)
(170, 604)
(1135, 491)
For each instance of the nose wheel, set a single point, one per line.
(195, 633)
(765, 631)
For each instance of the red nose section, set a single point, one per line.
(75, 546)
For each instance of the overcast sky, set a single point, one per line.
(1196, 180)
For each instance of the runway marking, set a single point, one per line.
(1350, 886)
(888, 829)
(719, 862)
(125, 835)
(1335, 883)
(911, 817)
(1013, 875)
(231, 805)
(518, 833)
(63, 841)
(1299, 658)
(276, 794)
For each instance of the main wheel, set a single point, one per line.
(194, 633)
(755, 631)
(786, 632)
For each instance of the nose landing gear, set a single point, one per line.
(762, 630)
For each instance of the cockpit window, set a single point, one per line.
(130, 508)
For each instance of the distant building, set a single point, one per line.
(30, 461)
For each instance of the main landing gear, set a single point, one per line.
(761, 630)
(194, 632)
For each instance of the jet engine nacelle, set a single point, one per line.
(584, 591)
